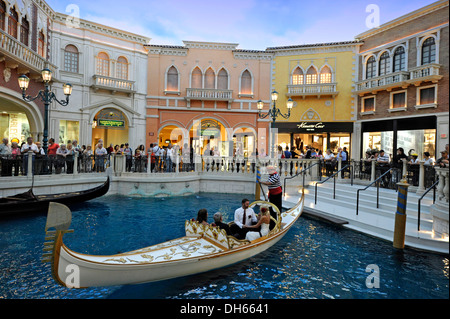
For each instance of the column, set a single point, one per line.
(421, 188)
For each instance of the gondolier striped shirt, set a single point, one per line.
(275, 184)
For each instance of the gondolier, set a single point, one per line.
(275, 190)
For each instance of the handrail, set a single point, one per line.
(420, 199)
(334, 181)
(378, 190)
(303, 171)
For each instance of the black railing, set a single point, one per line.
(303, 171)
(420, 200)
(334, 181)
(377, 181)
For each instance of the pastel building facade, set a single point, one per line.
(204, 95)
(107, 68)
(319, 79)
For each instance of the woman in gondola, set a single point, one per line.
(264, 222)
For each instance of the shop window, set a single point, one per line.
(12, 22)
(68, 131)
(297, 77)
(210, 79)
(172, 79)
(196, 78)
(325, 75)
(122, 68)
(102, 64)
(71, 59)
(371, 67)
(222, 80)
(2, 15)
(14, 125)
(399, 59)
(428, 51)
(368, 104)
(384, 64)
(246, 83)
(311, 75)
(24, 31)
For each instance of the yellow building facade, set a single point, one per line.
(319, 78)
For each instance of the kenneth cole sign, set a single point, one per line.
(311, 127)
(314, 127)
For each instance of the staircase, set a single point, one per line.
(377, 222)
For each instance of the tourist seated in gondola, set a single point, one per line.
(264, 222)
(202, 217)
(243, 216)
(218, 221)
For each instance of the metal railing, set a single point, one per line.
(303, 171)
(377, 181)
(420, 200)
(334, 181)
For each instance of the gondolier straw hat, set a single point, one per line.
(271, 169)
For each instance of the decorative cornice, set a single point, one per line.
(210, 45)
(167, 49)
(109, 31)
(316, 48)
(252, 55)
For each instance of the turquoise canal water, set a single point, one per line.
(314, 260)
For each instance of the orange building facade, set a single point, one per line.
(204, 95)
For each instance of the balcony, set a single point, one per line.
(319, 89)
(18, 55)
(423, 73)
(209, 95)
(112, 84)
(385, 82)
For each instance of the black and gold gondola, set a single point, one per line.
(28, 202)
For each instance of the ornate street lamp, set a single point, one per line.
(274, 112)
(46, 96)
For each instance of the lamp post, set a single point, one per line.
(46, 95)
(274, 112)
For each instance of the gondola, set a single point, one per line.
(203, 248)
(28, 202)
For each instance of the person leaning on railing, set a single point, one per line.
(383, 164)
(5, 152)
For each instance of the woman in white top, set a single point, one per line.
(427, 159)
(264, 222)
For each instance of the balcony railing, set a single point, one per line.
(112, 84)
(312, 89)
(427, 72)
(17, 51)
(209, 94)
(384, 82)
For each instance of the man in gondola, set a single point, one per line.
(243, 216)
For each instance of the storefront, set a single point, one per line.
(416, 134)
(111, 126)
(320, 135)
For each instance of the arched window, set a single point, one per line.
(246, 83)
(384, 64)
(210, 79)
(429, 51)
(298, 77)
(325, 74)
(2, 15)
(196, 78)
(172, 79)
(102, 64)
(12, 22)
(41, 44)
(122, 68)
(370, 67)
(24, 31)
(71, 59)
(399, 60)
(222, 80)
(311, 76)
